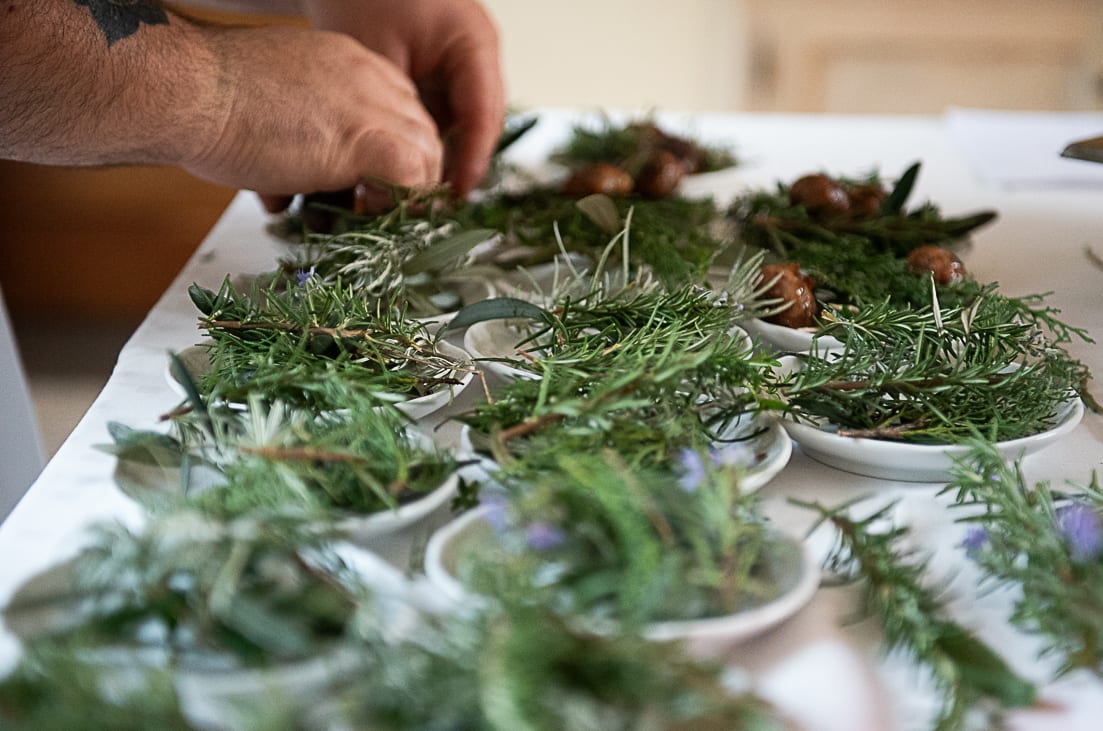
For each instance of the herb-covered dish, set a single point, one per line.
(910, 383)
(286, 344)
(361, 471)
(617, 549)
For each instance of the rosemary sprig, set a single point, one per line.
(275, 342)
(595, 537)
(1046, 543)
(675, 237)
(55, 687)
(652, 393)
(913, 617)
(188, 588)
(359, 460)
(201, 593)
(937, 374)
(423, 262)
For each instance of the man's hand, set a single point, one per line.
(306, 110)
(450, 50)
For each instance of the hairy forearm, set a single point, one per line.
(92, 82)
(277, 7)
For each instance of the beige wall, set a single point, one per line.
(635, 54)
(872, 56)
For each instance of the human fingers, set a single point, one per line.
(303, 111)
(477, 107)
(275, 203)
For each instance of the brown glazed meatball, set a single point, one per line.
(866, 200)
(822, 196)
(943, 263)
(795, 287)
(599, 177)
(686, 151)
(661, 176)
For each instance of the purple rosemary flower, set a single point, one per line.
(732, 455)
(544, 536)
(1080, 527)
(305, 275)
(693, 470)
(496, 511)
(976, 538)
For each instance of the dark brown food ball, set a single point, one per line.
(866, 200)
(599, 177)
(943, 263)
(316, 210)
(687, 151)
(795, 287)
(821, 195)
(661, 176)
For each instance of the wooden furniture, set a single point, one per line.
(871, 56)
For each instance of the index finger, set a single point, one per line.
(476, 95)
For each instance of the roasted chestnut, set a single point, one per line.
(599, 177)
(822, 196)
(866, 200)
(686, 151)
(794, 287)
(944, 264)
(661, 176)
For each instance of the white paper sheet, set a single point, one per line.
(1016, 150)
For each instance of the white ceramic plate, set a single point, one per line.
(783, 339)
(915, 462)
(365, 529)
(797, 569)
(196, 361)
(490, 339)
(904, 461)
(569, 273)
(769, 450)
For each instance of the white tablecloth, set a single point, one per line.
(828, 674)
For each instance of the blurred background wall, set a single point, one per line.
(85, 253)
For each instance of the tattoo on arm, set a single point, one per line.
(119, 19)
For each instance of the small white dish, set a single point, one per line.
(797, 570)
(770, 448)
(363, 530)
(541, 283)
(781, 339)
(422, 406)
(197, 362)
(905, 462)
(490, 341)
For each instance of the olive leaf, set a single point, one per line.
(447, 250)
(602, 211)
(498, 308)
(894, 203)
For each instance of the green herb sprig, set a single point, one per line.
(273, 341)
(206, 594)
(913, 618)
(1043, 541)
(596, 537)
(676, 237)
(189, 595)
